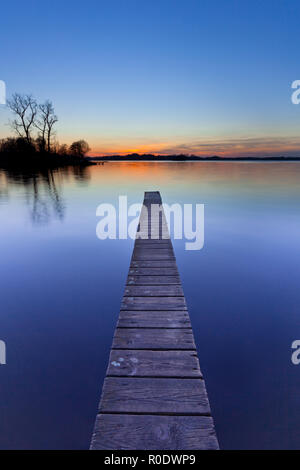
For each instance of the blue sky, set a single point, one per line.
(164, 76)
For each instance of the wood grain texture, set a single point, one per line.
(160, 395)
(154, 271)
(155, 255)
(150, 249)
(153, 280)
(153, 291)
(127, 432)
(152, 246)
(153, 319)
(153, 303)
(153, 243)
(154, 364)
(153, 338)
(153, 264)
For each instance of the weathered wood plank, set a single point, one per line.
(153, 303)
(153, 280)
(162, 250)
(149, 255)
(149, 195)
(147, 235)
(153, 291)
(151, 246)
(158, 226)
(138, 432)
(155, 243)
(153, 264)
(147, 395)
(153, 319)
(154, 271)
(152, 338)
(153, 364)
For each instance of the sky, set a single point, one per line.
(194, 76)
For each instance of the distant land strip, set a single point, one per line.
(182, 158)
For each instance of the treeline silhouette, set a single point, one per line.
(34, 143)
(182, 158)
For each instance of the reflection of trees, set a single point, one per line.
(81, 173)
(43, 190)
(45, 198)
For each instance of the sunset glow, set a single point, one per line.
(222, 147)
(183, 89)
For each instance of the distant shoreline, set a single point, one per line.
(188, 158)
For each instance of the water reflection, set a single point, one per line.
(61, 287)
(43, 189)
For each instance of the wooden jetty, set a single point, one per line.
(154, 395)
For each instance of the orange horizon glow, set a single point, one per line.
(227, 148)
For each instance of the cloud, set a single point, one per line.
(246, 146)
(241, 146)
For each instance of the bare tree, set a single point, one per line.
(79, 148)
(25, 109)
(62, 149)
(41, 124)
(46, 121)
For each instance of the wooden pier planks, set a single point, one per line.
(154, 395)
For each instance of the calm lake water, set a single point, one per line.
(61, 287)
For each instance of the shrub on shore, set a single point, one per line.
(17, 151)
